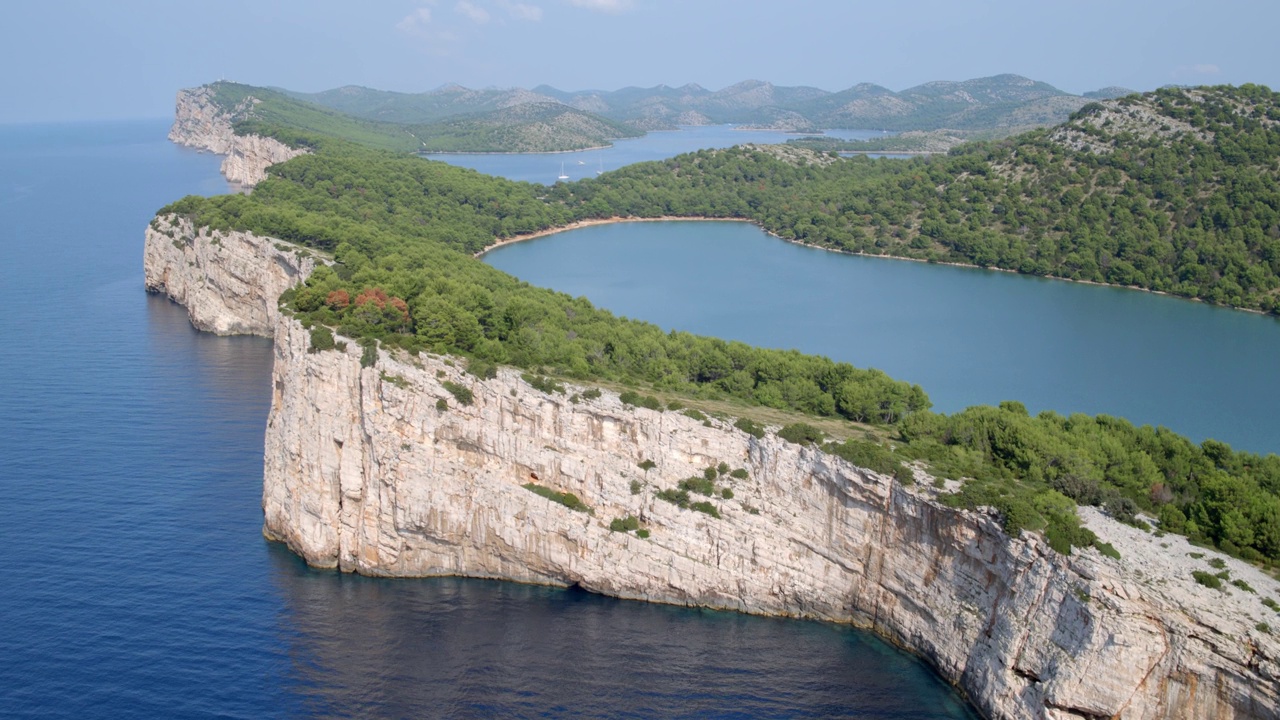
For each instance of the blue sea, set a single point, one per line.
(136, 582)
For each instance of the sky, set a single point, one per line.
(74, 60)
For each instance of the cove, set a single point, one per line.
(138, 584)
(967, 336)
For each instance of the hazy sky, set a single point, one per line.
(100, 59)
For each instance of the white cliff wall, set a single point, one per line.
(200, 124)
(230, 282)
(365, 474)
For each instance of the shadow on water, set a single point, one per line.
(476, 648)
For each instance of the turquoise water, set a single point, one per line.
(967, 336)
(546, 167)
(137, 583)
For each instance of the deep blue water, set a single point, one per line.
(136, 582)
(966, 336)
(546, 167)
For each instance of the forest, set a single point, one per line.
(1199, 219)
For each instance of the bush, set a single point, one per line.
(1243, 586)
(1217, 563)
(1107, 549)
(722, 468)
(591, 393)
(749, 427)
(1271, 604)
(691, 413)
(801, 434)
(727, 494)
(321, 339)
(1263, 627)
(706, 507)
(647, 465)
(1207, 579)
(625, 524)
(642, 533)
(679, 498)
(460, 393)
(739, 474)
(482, 369)
(700, 485)
(631, 397)
(635, 487)
(544, 384)
(369, 356)
(866, 455)
(568, 500)
(710, 474)
(442, 404)
(675, 405)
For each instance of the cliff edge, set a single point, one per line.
(373, 464)
(201, 123)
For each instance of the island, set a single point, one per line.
(433, 416)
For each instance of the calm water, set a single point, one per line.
(136, 581)
(967, 336)
(546, 167)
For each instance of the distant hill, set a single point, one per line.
(453, 118)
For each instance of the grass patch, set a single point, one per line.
(568, 500)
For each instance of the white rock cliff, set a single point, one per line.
(201, 124)
(365, 473)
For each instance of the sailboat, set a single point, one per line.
(600, 171)
(563, 176)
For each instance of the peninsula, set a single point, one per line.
(431, 415)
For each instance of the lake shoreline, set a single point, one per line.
(682, 218)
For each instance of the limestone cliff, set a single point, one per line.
(364, 471)
(202, 124)
(228, 281)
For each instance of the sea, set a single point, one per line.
(136, 581)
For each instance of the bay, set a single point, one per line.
(545, 168)
(138, 584)
(967, 336)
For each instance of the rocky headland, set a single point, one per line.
(393, 465)
(201, 124)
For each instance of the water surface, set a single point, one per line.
(136, 579)
(967, 336)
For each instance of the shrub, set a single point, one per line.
(460, 393)
(867, 455)
(369, 356)
(321, 339)
(675, 497)
(749, 427)
(568, 500)
(722, 468)
(710, 474)
(739, 474)
(801, 434)
(647, 465)
(635, 487)
(727, 494)
(700, 485)
(1107, 549)
(1263, 628)
(675, 405)
(1206, 579)
(591, 393)
(1217, 563)
(1271, 604)
(442, 404)
(1243, 586)
(691, 413)
(706, 507)
(482, 369)
(631, 397)
(625, 524)
(642, 533)
(544, 384)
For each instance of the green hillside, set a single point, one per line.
(1179, 184)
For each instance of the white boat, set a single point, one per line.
(600, 170)
(563, 176)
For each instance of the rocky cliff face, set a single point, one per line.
(201, 124)
(228, 281)
(365, 472)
